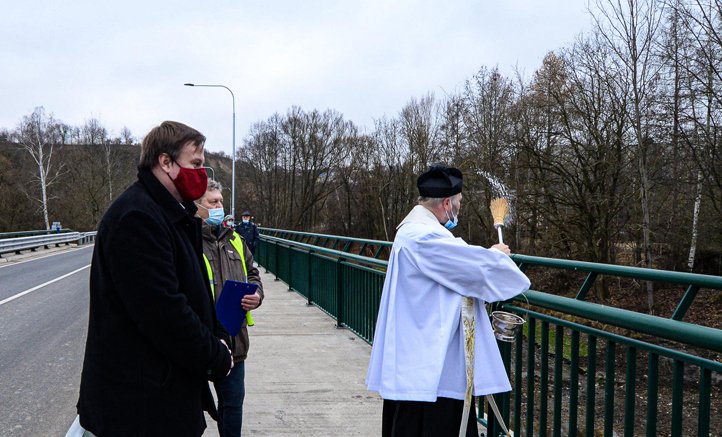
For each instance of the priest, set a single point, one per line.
(417, 359)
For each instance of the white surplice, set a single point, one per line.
(418, 348)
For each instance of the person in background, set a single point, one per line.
(229, 222)
(417, 360)
(228, 257)
(249, 231)
(153, 338)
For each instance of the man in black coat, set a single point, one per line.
(153, 339)
(249, 231)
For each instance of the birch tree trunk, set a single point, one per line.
(695, 222)
(42, 176)
(109, 170)
(38, 134)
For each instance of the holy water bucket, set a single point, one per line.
(506, 325)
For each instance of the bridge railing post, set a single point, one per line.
(290, 268)
(276, 258)
(339, 293)
(309, 281)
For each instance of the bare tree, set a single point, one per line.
(261, 165)
(296, 162)
(13, 204)
(538, 133)
(393, 174)
(95, 134)
(452, 135)
(126, 136)
(486, 105)
(704, 69)
(320, 148)
(489, 97)
(572, 132)
(697, 61)
(39, 135)
(418, 127)
(630, 28)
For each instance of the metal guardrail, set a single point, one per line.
(4, 235)
(17, 234)
(579, 368)
(17, 245)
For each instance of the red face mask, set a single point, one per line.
(191, 183)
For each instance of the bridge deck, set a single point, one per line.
(304, 377)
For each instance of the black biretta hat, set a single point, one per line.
(440, 181)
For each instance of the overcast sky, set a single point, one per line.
(125, 62)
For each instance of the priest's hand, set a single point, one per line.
(503, 248)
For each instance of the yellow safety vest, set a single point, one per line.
(238, 245)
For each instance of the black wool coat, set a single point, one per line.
(152, 344)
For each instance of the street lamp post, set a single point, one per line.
(233, 157)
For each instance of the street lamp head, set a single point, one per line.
(233, 157)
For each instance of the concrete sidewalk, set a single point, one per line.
(304, 377)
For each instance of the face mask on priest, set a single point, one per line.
(453, 216)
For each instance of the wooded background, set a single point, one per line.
(610, 152)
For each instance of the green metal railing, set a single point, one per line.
(376, 249)
(693, 281)
(344, 285)
(579, 368)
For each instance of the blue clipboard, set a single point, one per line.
(228, 305)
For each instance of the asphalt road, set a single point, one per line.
(304, 377)
(42, 339)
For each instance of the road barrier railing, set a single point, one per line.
(577, 368)
(16, 234)
(19, 244)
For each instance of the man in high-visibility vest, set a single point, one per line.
(227, 256)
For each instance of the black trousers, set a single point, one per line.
(427, 419)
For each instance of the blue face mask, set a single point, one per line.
(452, 222)
(246, 221)
(215, 216)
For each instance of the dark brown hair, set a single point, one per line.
(169, 137)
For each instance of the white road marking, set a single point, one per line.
(23, 293)
(14, 263)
